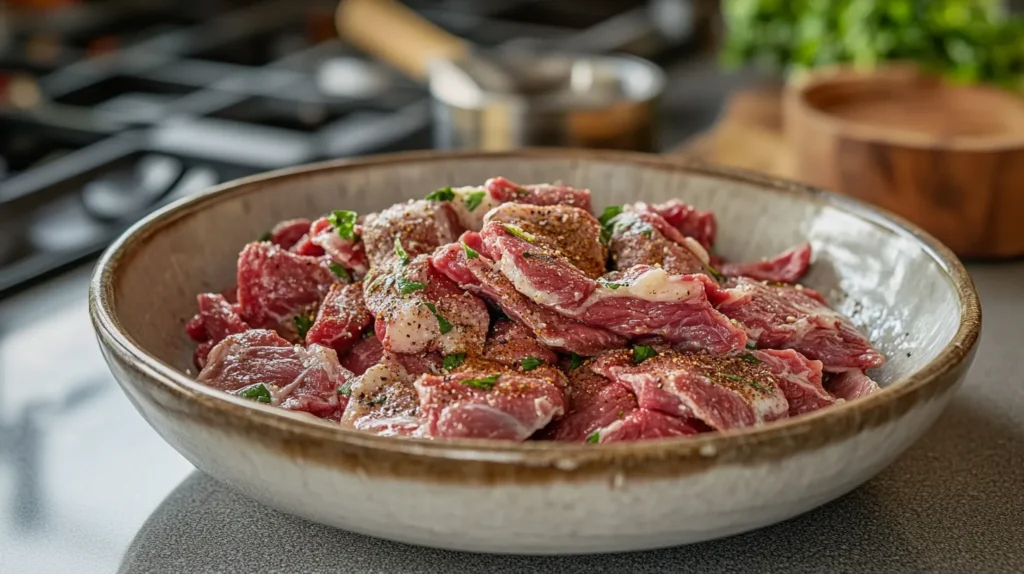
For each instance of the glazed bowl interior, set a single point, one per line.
(905, 291)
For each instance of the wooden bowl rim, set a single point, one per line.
(448, 460)
(800, 86)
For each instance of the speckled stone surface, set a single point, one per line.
(953, 503)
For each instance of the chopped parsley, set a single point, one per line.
(346, 389)
(613, 285)
(340, 272)
(257, 392)
(265, 237)
(518, 232)
(344, 222)
(609, 213)
(453, 361)
(594, 438)
(400, 251)
(530, 363)
(714, 273)
(470, 252)
(441, 321)
(752, 345)
(443, 194)
(370, 333)
(485, 383)
(750, 382)
(473, 200)
(750, 358)
(380, 400)
(406, 287)
(575, 361)
(642, 352)
(303, 324)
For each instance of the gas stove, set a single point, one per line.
(111, 110)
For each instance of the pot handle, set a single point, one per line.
(396, 34)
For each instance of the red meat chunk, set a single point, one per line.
(503, 190)
(571, 232)
(782, 317)
(289, 232)
(366, 353)
(383, 400)
(699, 225)
(341, 318)
(798, 377)
(786, 267)
(510, 342)
(419, 226)
(644, 238)
(350, 253)
(850, 385)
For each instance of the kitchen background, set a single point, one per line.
(109, 110)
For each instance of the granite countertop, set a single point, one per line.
(87, 486)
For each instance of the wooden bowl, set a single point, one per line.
(908, 293)
(949, 158)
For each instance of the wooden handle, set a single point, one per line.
(396, 34)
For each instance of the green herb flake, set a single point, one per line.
(257, 392)
(380, 400)
(441, 321)
(303, 324)
(265, 237)
(714, 273)
(470, 252)
(530, 363)
(647, 233)
(443, 194)
(340, 272)
(642, 352)
(400, 251)
(575, 361)
(453, 361)
(518, 232)
(613, 285)
(346, 389)
(609, 213)
(473, 200)
(594, 438)
(344, 222)
(405, 286)
(750, 358)
(752, 345)
(485, 383)
(369, 333)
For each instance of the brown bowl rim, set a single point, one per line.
(535, 460)
(800, 87)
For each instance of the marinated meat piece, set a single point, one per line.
(569, 231)
(510, 342)
(297, 378)
(503, 191)
(216, 320)
(349, 251)
(782, 317)
(341, 318)
(383, 400)
(418, 309)
(798, 377)
(492, 403)
(640, 238)
(644, 301)
(722, 392)
(289, 232)
(366, 353)
(276, 286)
(644, 424)
(699, 225)
(786, 267)
(420, 226)
(850, 385)
(470, 204)
(552, 330)
(592, 403)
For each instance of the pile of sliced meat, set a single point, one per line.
(511, 312)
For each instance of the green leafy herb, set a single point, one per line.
(752, 345)
(474, 199)
(265, 237)
(642, 352)
(647, 233)
(613, 285)
(443, 194)
(575, 361)
(530, 363)
(609, 213)
(594, 438)
(750, 358)
(369, 333)
(518, 232)
(406, 287)
(714, 273)
(346, 389)
(257, 392)
(470, 252)
(380, 400)
(340, 272)
(344, 222)
(485, 383)
(454, 360)
(400, 251)
(441, 321)
(750, 382)
(303, 324)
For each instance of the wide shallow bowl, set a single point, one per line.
(907, 291)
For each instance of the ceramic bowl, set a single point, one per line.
(908, 292)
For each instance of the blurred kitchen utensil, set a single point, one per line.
(510, 98)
